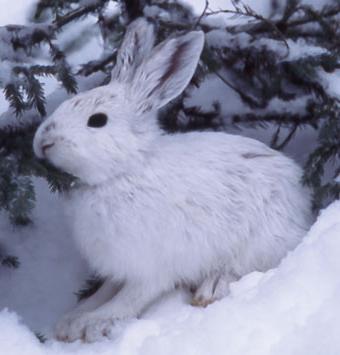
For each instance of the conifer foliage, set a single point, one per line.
(255, 58)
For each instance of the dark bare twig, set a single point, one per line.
(275, 137)
(251, 102)
(308, 19)
(97, 65)
(285, 119)
(248, 12)
(73, 15)
(287, 139)
(261, 27)
(196, 24)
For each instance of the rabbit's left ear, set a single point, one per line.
(167, 71)
(137, 44)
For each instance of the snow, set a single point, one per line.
(16, 12)
(291, 310)
(332, 80)
(294, 309)
(262, 7)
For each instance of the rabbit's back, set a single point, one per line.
(201, 201)
(241, 192)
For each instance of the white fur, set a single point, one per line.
(157, 210)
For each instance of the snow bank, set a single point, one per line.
(294, 309)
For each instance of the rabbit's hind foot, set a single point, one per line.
(213, 288)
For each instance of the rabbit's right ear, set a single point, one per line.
(137, 44)
(167, 71)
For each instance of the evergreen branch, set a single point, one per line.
(247, 11)
(245, 97)
(58, 181)
(33, 88)
(316, 162)
(36, 95)
(43, 70)
(97, 65)
(10, 261)
(282, 118)
(66, 77)
(41, 337)
(256, 72)
(334, 11)
(15, 99)
(314, 170)
(283, 25)
(63, 70)
(77, 14)
(54, 5)
(291, 8)
(325, 194)
(327, 29)
(25, 37)
(20, 200)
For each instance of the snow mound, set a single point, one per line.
(294, 309)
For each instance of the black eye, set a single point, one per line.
(97, 120)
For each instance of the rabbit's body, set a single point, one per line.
(192, 205)
(155, 210)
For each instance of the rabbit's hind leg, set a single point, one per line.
(213, 287)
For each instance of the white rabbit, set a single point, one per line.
(156, 210)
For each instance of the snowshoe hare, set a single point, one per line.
(155, 210)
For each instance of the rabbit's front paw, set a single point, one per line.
(62, 328)
(88, 327)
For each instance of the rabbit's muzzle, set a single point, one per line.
(45, 147)
(43, 141)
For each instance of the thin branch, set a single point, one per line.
(248, 12)
(275, 138)
(286, 119)
(196, 24)
(308, 19)
(251, 102)
(287, 139)
(96, 65)
(261, 27)
(75, 14)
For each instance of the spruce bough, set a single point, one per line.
(254, 62)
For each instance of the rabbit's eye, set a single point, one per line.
(97, 120)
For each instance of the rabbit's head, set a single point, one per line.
(101, 133)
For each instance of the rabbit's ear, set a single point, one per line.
(169, 69)
(137, 44)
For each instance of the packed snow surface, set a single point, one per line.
(293, 309)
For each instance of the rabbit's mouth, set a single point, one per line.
(45, 147)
